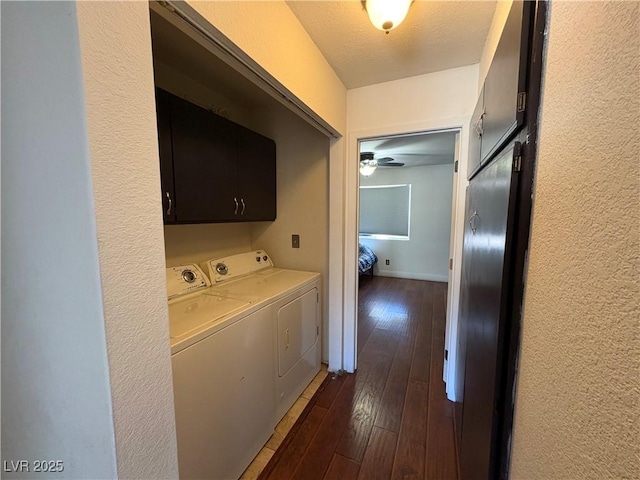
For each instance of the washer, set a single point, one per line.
(225, 399)
(243, 350)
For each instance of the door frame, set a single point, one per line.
(350, 313)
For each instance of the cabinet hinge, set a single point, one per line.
(522, 101)
(455, 166)
(446, 354)
(167, 6)
(317, 297)
(517, 157)
(451, 264)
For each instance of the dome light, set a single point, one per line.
(387, 14)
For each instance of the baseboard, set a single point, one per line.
(413, 276)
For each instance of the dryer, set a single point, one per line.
(294, 298)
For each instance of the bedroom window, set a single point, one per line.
(385, 211)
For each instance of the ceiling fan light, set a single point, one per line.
(367, 169)
(387, 14)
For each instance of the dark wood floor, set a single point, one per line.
(390, 419)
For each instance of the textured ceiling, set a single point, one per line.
(436, 35)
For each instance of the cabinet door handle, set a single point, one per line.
(235, 212)
(286, 336)
(472, 222)
(243, 206)
(479, 125)
(170, 203)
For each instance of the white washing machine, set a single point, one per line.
(243, 350)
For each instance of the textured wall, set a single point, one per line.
(271, 35)
(425, 256)
(303, 200)
(56, 401)
(118, 81)
(201, 242)
(577, 402)
(434, 96)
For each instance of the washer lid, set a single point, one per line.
(195, 313)
(267, 283)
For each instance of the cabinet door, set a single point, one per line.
(163, 114)
(465, 304)
(475, 136)
(256, 176)
(204, 165)
(492, 195)
(505, 85)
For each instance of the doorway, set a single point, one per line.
(352, 181)
(406, 189)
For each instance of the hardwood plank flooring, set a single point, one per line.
(390, 419)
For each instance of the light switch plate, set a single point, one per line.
(295, 241)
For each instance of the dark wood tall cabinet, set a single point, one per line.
(213, 170)
(497, 219)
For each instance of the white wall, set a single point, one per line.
(438, 96)
(303, 199)
(425, 256)
(427, 102)
(202, 242)
(56, 401)
(115, 47)
(493, 37)
(271, 35)
(579, 383)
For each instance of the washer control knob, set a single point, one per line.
(257, 259)
(222, 269)
(265, 258)
(188, 276)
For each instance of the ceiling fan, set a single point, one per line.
(388, 162)
(368, 163)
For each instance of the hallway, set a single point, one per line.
(391, 419)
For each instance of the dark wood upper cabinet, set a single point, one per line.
(163, 112)
(500, 112)
(213, 170)
(256, 176)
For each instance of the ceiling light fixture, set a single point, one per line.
(386, 14)
(367, 164)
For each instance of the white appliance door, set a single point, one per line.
(225, 398)
(297, 330)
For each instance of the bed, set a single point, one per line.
(366, 259)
